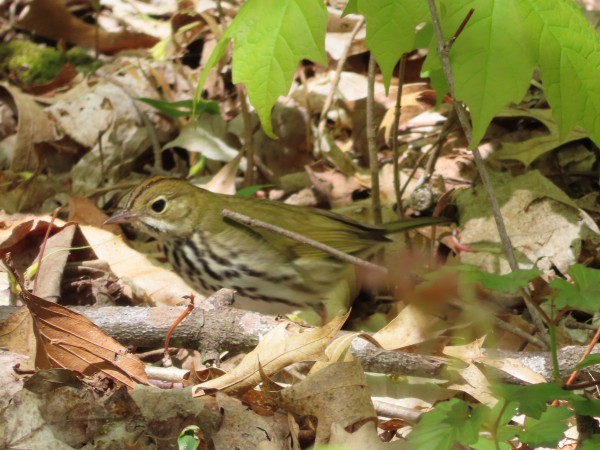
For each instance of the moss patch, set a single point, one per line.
(30, 64)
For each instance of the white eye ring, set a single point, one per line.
(159, 205)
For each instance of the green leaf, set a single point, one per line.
(270, 38)
(391, 29)
(510, 282)
(529, 150)
(583, 293)
(589, 360)
(532, 400)
(569, 60)
(188, 438)
(207, 136)
(181, 108)
(585, 406)
(591, 444)
(249, 191)
(487, 443)
(494, 57)
(351, 8)
(213, 59)
(548, 430)
(448, 423)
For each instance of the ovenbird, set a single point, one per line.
(269, 272)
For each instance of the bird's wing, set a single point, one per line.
(333, 230)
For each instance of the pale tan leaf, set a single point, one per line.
(468, 353)
(163, 287)
(545, 226)
(223, 182)
(476, 385)
(286, 344)
(513, 367)
(410, 327)
(51, 267)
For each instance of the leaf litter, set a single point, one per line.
(96, 140)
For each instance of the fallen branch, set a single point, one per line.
(213, 328)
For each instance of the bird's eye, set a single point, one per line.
(159, 205)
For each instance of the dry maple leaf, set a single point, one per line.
(66, 339)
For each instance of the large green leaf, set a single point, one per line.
(494, 58)
(448, 423)
(270, 38)
(391, 29)
(583, 293)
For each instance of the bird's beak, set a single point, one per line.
(124, 216)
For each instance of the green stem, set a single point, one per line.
(496, 426)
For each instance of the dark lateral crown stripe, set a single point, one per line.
(143, 187)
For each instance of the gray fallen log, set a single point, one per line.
(217, 327)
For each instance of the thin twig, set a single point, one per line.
(395, 125)
(463, 117)
(507, 326)
(430, 166)
(391, 410)
(433, 153)
(334, 84)
(251, 222)
(309, 109)
(40, 259)
(588, 351)
(372, 145)
(414, 170)
(183, 315)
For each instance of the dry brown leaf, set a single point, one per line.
(52, 19)
(340, 350)
(65, 75)
(467, 353)
(33, 128)
(22, 237)
(338, 393)
(413, 103)
(286, 344)
(66, 339)
(85, 212)
(242, 428)
(475, 382)
(16, 334)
